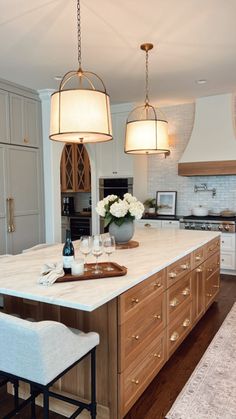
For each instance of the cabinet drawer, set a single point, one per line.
(134, 333)
(139, 374)
(228, 242)
(178, 329)
(170, 224)
(198, 256)
(177, 295)
(131, 301)
(212, 264)
(212, 247)
(178, 269)
(212, 286)
(227, 260)
(148, 224)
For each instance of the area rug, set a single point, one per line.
(210, 392)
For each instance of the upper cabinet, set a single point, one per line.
(111, 158)
(20, 118)
(75, 169)
(24, 121)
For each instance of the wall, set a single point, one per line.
(163, 173)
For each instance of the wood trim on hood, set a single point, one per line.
(207, 168)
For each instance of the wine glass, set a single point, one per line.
(97, 251)
(86, 244)
(109, 246)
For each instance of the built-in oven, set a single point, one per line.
(114, 186)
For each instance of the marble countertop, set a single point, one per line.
(157, 249)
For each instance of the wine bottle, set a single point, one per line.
(68, 253)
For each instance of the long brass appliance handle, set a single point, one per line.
(11, 213)
(8, 216)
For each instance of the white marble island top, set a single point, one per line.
(158, 249)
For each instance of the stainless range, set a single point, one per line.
(210, 223)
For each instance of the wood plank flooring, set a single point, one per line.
(161, 393)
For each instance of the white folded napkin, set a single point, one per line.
(50, 272)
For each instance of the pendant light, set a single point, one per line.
(80, 111)
(146, 127)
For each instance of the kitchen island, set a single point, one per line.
(173, 277)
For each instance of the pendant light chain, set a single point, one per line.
(79, 33)
(147, 91)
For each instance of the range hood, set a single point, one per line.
(211, 149)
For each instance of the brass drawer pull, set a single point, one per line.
(209, 270)
(174, 337)
(135, 381)
(184, 267)
(157, 284)
(174, 302)
(157, 355)
(172, 274)
(136, 337)
(186, 323)
(209, 295)
(216, 286)
(198, 270)
(157, 316)
(147, 225)
(135, 300)
(198, 257)
(186, 291)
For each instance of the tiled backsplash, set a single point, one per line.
(163, 173)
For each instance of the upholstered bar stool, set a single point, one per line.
(39, 353)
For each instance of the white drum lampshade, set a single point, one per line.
(147, 137)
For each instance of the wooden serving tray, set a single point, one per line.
(129, 245)
(118, 271)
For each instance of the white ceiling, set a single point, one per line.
(193, 39)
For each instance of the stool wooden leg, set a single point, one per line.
(33, 411)
(93, 384)
(45, 404)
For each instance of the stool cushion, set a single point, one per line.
(40, 351)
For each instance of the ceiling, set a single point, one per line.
(193, 39)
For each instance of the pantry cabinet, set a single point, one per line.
(75, 169)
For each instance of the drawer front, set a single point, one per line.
(227, 242)
(135, 332)
(148, 224)
(177, 330)
(212, 247)
(227, 260)
(212, 286)
(170, 224)
(198, 256)
(212, 264)
(131, 301)
(177, 295)
(178, 269)
(138, 375)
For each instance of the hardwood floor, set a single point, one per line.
(161, 393)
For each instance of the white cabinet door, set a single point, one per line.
(174, 224)
(24, 121)
(4, 117)
(227, 260)
(227, 242)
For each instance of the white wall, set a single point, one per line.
(163, 173)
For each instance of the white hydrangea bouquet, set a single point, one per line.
(117, 210)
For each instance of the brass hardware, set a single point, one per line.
(157, 284)
(135, 381)
(26, 140)
(198, 270)
(216, 286)
(174, 302)
(147, 225)
(8, 216)
(186, 323)
(186, 291)
(172, 274)
(198, 257)
(136, 337)
(157, 355)
(211, 248)
(174, 337)
(184, 267)
(135, 300)
(210, 270)
(157, 316)
(146, 47)
(209, 295)
(218, 263)
(218, 243)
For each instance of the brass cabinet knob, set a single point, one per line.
(135, 381)
(157, 284)
(174, 302)
(216, 286)
(211, 248)
(198, 257)
(198, 270)
(186, 323)
(147, 225)
(135, 300)
(172, 274)
(174, 337)
(209, 295)
(157, 316)
(136, 337)
(157, 355)
(26, 140)
(184, 267)
(210, 270)
(186, 291)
